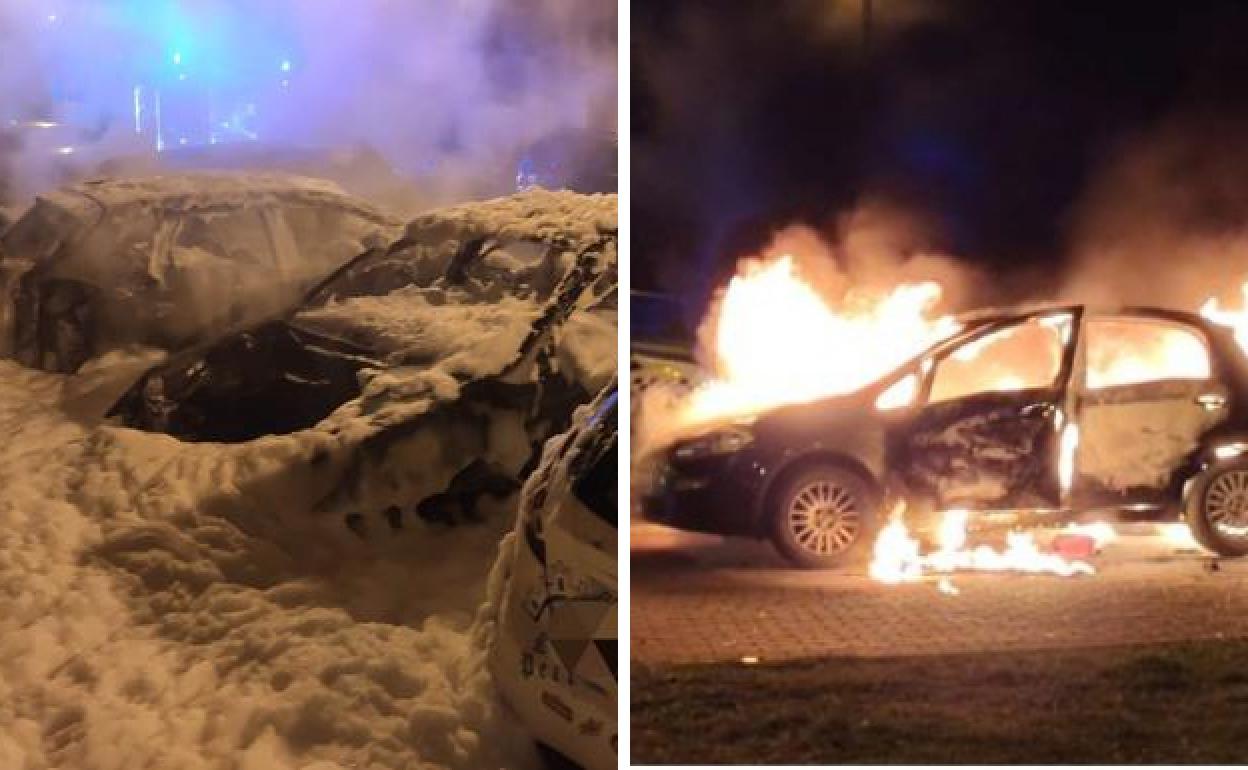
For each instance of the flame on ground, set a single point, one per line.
(898, 557)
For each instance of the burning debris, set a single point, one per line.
(898, 557)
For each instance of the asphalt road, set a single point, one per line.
(708, 599)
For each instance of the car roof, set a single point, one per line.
(995, 314)
(209, 188)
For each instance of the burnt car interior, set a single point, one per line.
(1138, 392)
(986, 434)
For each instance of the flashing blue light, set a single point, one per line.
(286, 65)
(177, 57)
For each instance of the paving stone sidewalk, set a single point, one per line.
(687, 608)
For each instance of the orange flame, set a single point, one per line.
(1235, 319)
(898, 557)
(777, 341)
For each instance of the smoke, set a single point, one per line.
(869, 251)
(854, 266)
(1165, 222)
(453, 94)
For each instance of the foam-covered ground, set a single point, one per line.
(155, 612)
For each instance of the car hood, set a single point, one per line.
(815, 415)
(423, 326)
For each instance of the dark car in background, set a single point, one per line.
(170, 261)
(1033, 415)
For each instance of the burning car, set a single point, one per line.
(429, 373)
(554, 653)
(1034, 415)
(169, 261)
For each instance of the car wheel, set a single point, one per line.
(1217, 509)
(824, 516)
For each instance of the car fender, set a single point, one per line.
(853, 438)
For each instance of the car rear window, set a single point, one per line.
(327, 237)
(39, 233)
(1133, 351)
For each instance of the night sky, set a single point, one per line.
(992, 119)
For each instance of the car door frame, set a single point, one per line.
(1055, 402)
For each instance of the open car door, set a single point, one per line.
(989, 433)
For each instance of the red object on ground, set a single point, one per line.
(1073, 546)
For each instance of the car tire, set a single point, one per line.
(1214, 494)
(824, 516)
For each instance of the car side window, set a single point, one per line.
(1022, 356)
(326, 237)
(1132, 351)
(238, 237)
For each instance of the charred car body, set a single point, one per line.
(430, 372)
(1037, 415)
(169, 261)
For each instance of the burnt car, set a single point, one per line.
(428, 373)
(169, 261)
(1035, 416)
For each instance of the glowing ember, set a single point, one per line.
(898, 558)
(777, 341)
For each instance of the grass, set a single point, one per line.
(1180, 704)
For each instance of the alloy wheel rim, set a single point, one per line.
(824, 517)
(1226, 504)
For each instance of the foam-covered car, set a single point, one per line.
(169, 261)
(428, 373)
(554, 652)
(1033, 415)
